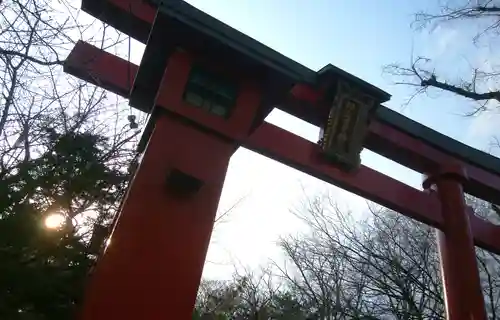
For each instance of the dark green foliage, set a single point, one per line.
(42, 272)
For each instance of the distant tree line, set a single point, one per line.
(383, 267)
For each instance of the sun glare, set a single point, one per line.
(54, 221)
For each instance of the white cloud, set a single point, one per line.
(442, 41)
(481, 130)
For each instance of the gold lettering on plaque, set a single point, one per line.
(347, 113)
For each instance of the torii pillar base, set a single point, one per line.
(154, 262)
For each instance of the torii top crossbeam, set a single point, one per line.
(175, 32)
(135, 19)
(390, 134)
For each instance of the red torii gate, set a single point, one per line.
(154, 265)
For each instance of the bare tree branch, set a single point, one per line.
(29, 58)
(419, 74)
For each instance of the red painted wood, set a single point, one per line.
(407, 150)
(400, 147)
(291, 149)
(301, 154)
(422, 157)
(139, 8)
(154, 263)
(236, 127)
(288, 148)
(462, 287)
(485, 233)
(101, 68)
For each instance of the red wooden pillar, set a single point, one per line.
(153, 265)
(462, 289)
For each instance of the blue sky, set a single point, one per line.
(359, 37)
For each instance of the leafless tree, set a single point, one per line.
(380, 266)
(38, 99)
(318, 269)
(249, 295)
(480, 85)
(385, 266)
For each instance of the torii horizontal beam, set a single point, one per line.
(392, 135)
(115, 74)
